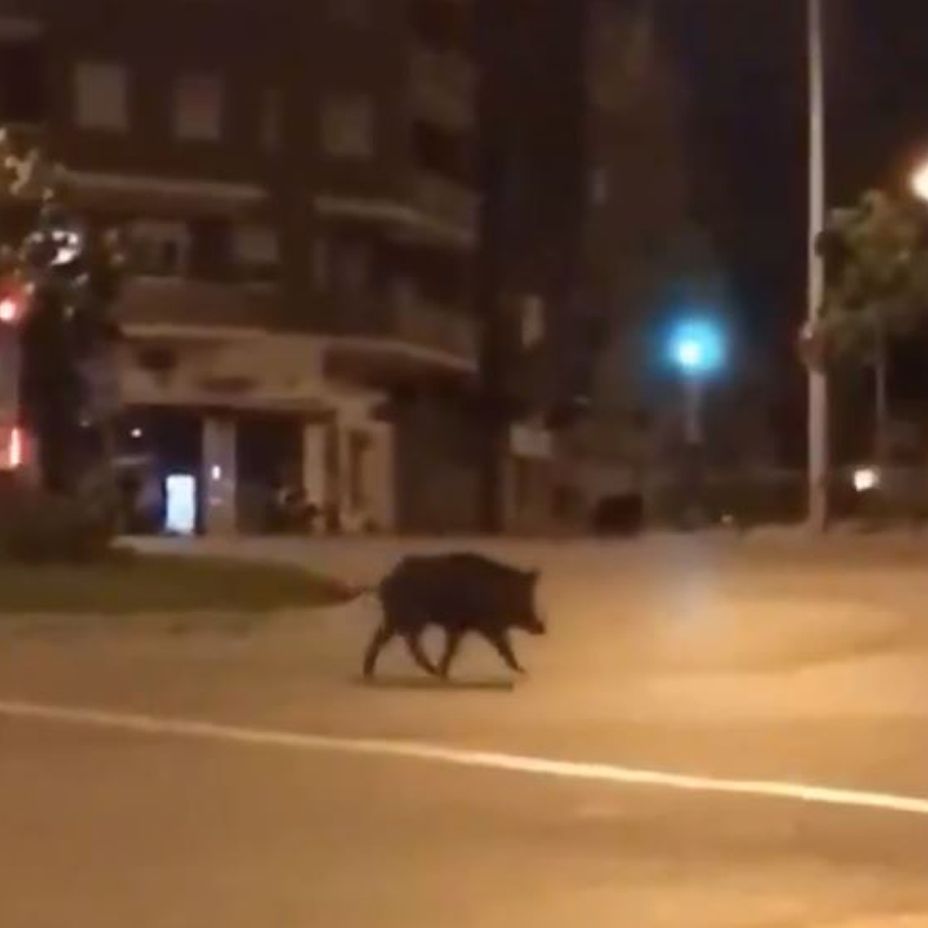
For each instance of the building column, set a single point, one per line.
(382, 478)
(220, 477)
(315, 483)
(528, 489)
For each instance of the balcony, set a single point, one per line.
(389, 340)
(444, 201)
(184, 304)
(439, 330)
(426, 206)
(201, 310)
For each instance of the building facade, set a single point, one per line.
(585, 191)
(635, 208)
(297, 182)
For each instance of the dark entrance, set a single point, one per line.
(270, 471)
(154, 444)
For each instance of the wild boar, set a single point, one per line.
(459, 593)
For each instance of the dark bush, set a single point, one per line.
(754, 502)
(743, 500)
(37, 528)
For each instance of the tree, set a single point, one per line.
(68, 274)
(877, 257)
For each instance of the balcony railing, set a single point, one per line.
(412, 328)
(439, 329)
(172, 301)
(444, 200)
(415, 324)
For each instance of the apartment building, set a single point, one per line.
(297, 182)
(588, 189)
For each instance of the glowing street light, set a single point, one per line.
(919, 182)
(866, 479)
(689, 354)
(697, 347)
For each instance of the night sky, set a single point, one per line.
(742, 67)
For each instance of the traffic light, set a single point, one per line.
(14, 301)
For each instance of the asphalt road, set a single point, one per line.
(777, 662)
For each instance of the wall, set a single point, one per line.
(375, 509)
(241, 374)
(236, 369)
(436, 473)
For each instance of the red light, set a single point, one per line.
(9, 309)
(16, 448)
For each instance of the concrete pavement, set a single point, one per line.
(112, 830)
(711, 659)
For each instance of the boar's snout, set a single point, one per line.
(535, 626)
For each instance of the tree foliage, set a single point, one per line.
(876, 254)
(68, 274)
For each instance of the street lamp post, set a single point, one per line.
(818, 383)
(692, 394)
(697, 349)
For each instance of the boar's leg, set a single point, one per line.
(452, 643)
(414, 643)
(381, 637)
(500, 641)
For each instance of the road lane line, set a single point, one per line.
(461, 757)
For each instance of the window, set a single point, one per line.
(160, 248)
(270, 117)
(198, 108)
(210, 250)
(257, 251)
(101, 96)
(347, 127)
(23, 97)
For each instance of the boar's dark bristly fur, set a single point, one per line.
(459, 593)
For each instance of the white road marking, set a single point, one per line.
(434, 753)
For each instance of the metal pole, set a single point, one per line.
(818, 384)
(692, 386)
(881, 398)
(694, 435)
